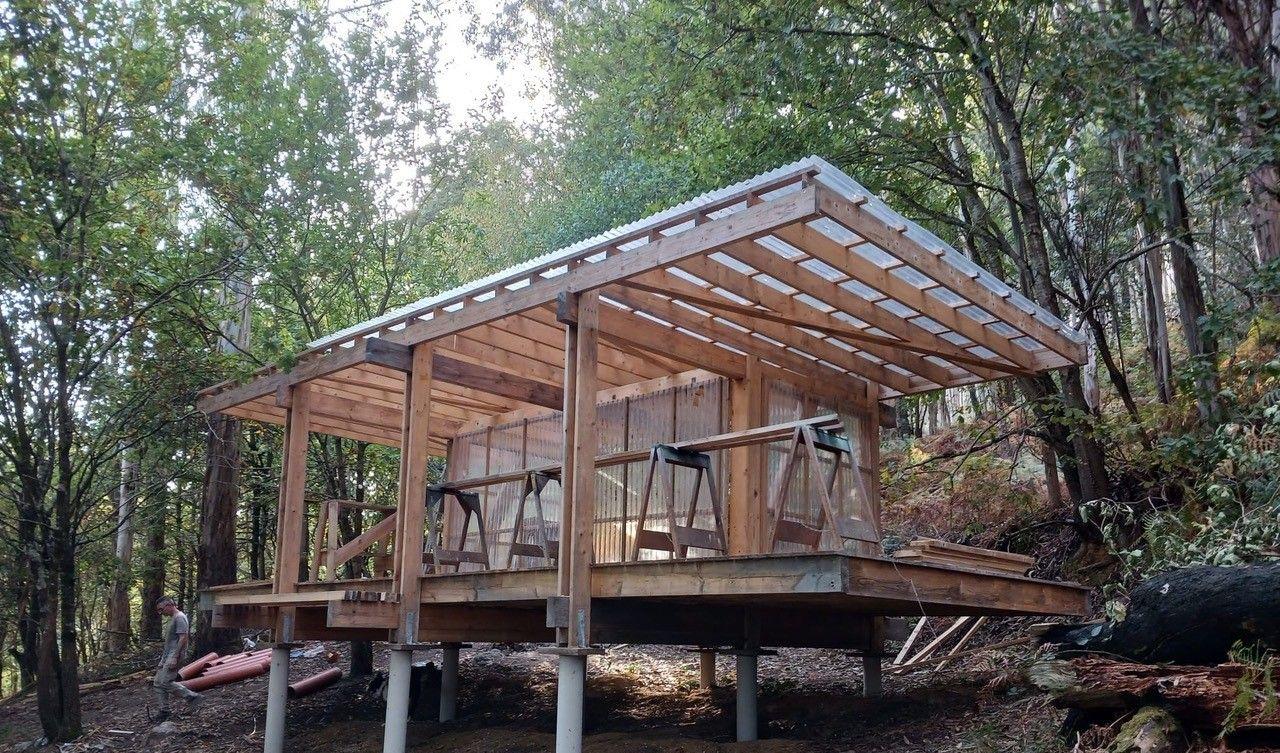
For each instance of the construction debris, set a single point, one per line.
(938, 552)
(314, 683)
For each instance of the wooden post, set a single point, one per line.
(869, 452)
(331, 553)
(706, 668)
(414, 451)
(293, 486)
(745, 505)
(583, 470)
(566, 313)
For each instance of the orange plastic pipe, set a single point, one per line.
(309, 685)
(239, 657)
(197, 666)
(232, 674)
(236, 661)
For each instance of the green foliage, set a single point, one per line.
(1256, 690)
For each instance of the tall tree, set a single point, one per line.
(89, 254)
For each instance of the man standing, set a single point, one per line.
(175, 646)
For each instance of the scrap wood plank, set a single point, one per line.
(959, 655)
(964, 639)
(963, 549)
(933, 645)
(928, 558)
(936, 552)
(911, 640)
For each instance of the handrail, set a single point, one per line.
(743, 438)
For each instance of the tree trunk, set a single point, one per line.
(1177, 225)
(153, 569)
(1186, 277)
(1251, 32)
(1052, 485)
(216, 551)
(1151, 265)
(118, 605)
(1083, 455)
(1157, 323)
(217, 548)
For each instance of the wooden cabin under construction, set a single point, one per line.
(665, 434)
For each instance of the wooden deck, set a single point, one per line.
(810, 599)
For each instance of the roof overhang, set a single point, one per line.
(801, 268)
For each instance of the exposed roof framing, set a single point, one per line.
(800, 267)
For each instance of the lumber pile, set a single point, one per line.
(1230, 697)
(938, 552)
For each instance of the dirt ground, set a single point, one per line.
(639, 700)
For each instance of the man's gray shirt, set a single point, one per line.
(179, 626)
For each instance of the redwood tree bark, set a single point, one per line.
(216, 553)
(152, 571)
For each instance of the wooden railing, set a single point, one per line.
(333, 554)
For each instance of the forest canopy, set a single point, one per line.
(191, 190)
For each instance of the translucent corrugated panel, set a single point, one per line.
(802, 501)
(681, 413)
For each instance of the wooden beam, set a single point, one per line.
(539, 325)
(543, 338)
(616, 324)
(568, 422)
(892, 287)
(291, 512)
(862, 222)
(711, 328)
(495, 382)
(339, 359)
(293, 487)
(908, 336)
(788, 310)
(413, 488)
(752, 222)
(524, 274)
(605, 395)
(383, 528)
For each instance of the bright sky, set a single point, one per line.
(468, 77)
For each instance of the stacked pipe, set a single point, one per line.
(211, 670)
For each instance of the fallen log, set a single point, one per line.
(1228, 697)
(1189, 616)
